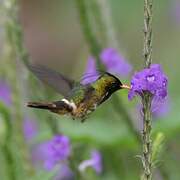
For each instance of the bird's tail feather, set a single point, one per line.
(41, 105)
(59, 107)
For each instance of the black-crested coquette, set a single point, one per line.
(79, 99)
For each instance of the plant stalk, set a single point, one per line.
(16, 132)
(94, 46)
(6, 145)
(147, 97)
(148, 32)
(146, 137)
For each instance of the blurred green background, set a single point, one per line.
(53, 37)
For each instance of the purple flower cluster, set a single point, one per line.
(95, 162)
(152, 80)
(113, 61)
(5, 93)
(56, 150)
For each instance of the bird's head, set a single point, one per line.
(112, 83)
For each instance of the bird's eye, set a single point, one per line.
(113, 84)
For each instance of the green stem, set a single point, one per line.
(107, 23)
(147, 98)
(146, 137)
(147, 33)
(11, 173)
(6, 146)
(16, 35)
(97, 22)
(18, 125)
(90, 37)
(11, 29)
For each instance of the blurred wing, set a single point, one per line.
(54, 79)
(91, 77)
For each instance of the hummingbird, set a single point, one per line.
(79, 99)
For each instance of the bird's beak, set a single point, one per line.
(125, 87)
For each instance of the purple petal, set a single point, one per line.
(5, 93)
(131, 94)
(49, 165)
(64, 173)
(176, 11)
(30, 128)
(56, 150)
(115, 62)
(95, 162)
(90, 74)
(39, 153)
(160, 108)
(96, 156)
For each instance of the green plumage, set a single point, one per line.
(92, 95)
(77, 94)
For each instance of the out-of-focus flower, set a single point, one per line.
(90, 73)
(94, 162)
(64, 173)
(39, 154)
(54, 151)
(160, 109)
(176, 10)
(5, 93)
(42, 156)
(152, 80)
(113, 61)
(30, 128)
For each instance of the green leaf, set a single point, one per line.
(5, 119)
(157, 147)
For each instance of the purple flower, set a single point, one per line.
(176, 10)
(160, 108)
(115, 62)
(91, 73)
(64, 173)
(5, 93)
(39, 153)
(42, 156)
(152, 80)
(30, 128)
(55, 151)
(95, 162)
(112, 60)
